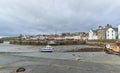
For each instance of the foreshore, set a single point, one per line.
(29, 57)
(95, 62)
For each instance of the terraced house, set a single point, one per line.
(103, 33)
(92, 35)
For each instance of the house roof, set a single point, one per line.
(116, 29)
(94, 31)
(107, 27)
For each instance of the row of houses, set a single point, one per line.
(62, 36)
(104, 33)
(101, 33)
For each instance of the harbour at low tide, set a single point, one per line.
(29, 57)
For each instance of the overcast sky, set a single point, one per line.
(56, 16)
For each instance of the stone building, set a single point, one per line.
(101, 32)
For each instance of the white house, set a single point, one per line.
(118, 31)
(111, 33)
(69, 37)
(92, 35)
(77, 37)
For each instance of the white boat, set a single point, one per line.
(48, 48)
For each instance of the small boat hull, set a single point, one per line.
(46, 50)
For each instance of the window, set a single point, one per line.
(112, 34)
(112, 31)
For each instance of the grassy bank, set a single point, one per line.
(8, 38)
(1, 41)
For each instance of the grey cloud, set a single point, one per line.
(50, 16)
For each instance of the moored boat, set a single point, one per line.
(48, 48)
(53, 43)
